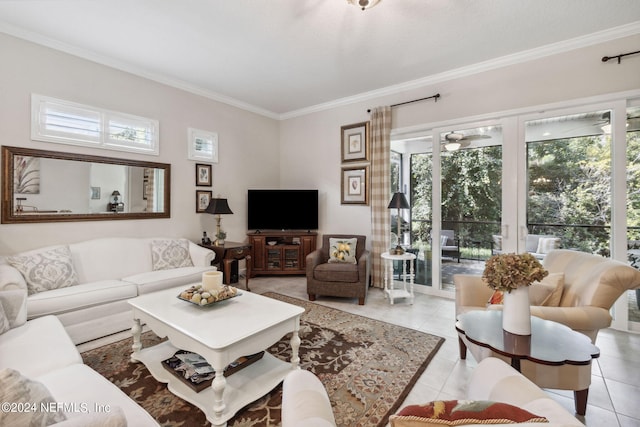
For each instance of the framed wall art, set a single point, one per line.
(355, 142)
(203, 197)
(203, 145)
(203, 175)
(355, 186)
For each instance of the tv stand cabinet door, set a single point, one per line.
(258, 252)
(308, 244)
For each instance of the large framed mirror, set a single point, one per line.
(50, 186)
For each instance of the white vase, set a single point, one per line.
(516, 312)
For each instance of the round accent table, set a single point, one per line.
(406, 291)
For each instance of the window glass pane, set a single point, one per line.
(569, 181)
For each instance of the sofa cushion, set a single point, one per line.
(336, 272)
(29, 397)
(30, 342)
(458, 412)
(46, 270)
(81, 385)
(114, 418)
(342, 250)
(170, 253)
(80, 296)
(163, 279)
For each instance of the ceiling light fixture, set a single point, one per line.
(452, 146)
(363, 4)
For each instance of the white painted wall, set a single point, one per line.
(258, 152)
(249, 150)
(310, 145)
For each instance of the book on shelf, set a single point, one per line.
(193, 370)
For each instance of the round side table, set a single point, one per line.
(406, 291)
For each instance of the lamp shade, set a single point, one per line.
(218, 207)
(398, 201)
(115, 193)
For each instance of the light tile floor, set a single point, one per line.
(614, 396)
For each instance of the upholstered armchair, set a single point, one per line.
(338, 277)
(587, 287)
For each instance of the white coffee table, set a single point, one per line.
(246, 324)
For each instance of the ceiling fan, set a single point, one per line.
(455, 140)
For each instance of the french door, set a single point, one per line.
(568, 174)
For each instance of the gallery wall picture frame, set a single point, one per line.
(203, 175)
(95, 193)
(203, 197)
(355, 142)
(354, 188)
(202, 145)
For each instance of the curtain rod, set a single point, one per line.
(606, 58)
(435, 97)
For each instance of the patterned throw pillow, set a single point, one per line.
(170, 253)
(343, 250)
(16, 389)
(47, 270)
(461, 412)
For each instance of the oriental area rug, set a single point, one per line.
(367, 366)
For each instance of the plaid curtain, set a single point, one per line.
(380, 190)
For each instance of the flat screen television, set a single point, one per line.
(282, 210)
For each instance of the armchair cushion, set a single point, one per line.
(336, 272)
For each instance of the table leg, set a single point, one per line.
(136, 331)
(411, 276)
(580, 398)
(218, 385)
(247, 261)
(462, 348)
(295, 347)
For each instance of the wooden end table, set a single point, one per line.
(229, 253)
(550, 343)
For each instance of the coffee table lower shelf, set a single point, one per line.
(242, 388)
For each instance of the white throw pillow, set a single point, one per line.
(46, 270)
(443, 240)
(170, 253)
(20, 391)
(343, 250)
(547, 244)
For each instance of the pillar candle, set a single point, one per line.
(212, 281)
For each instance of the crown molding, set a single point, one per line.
(504, 61)
(517, 58)
(128, 68)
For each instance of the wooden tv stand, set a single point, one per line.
(280, 252)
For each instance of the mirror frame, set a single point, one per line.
(10, 217)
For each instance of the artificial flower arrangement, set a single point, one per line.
(505, 272)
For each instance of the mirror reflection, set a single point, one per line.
(51, 186)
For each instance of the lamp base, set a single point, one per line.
(398, 250)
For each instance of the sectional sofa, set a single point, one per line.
(86, 285)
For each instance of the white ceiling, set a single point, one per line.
(286, 57)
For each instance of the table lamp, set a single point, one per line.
(218, 207)
(398, 201)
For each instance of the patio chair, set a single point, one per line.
(449, 244)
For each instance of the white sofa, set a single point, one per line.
(40, 352)
(305, 401)
(108, 272)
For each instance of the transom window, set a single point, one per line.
(65, 122)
